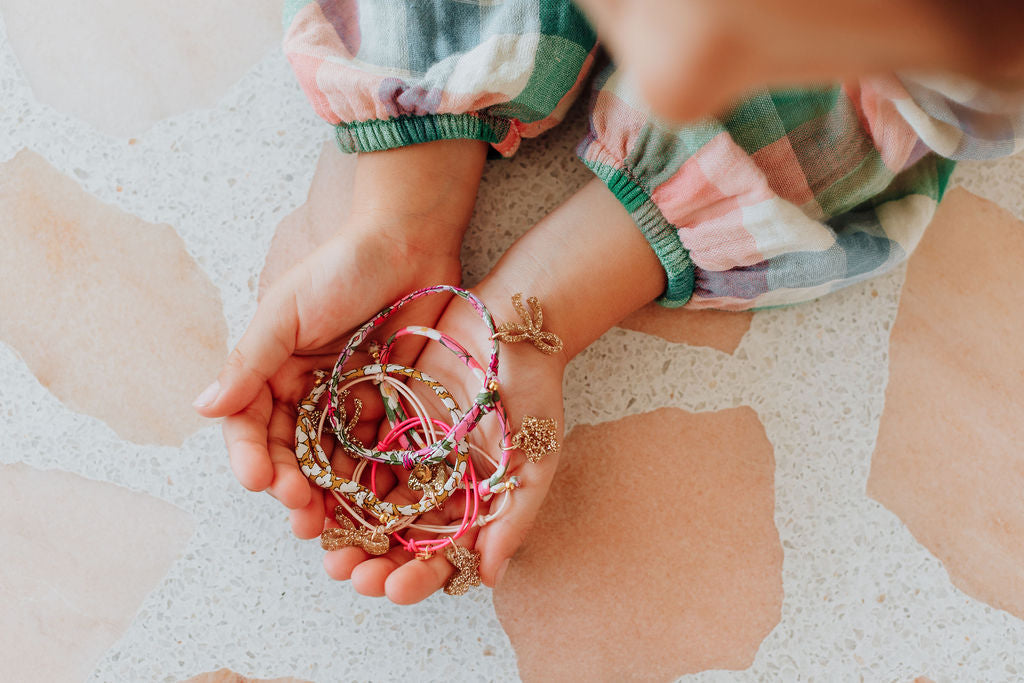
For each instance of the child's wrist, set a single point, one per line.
(421, 196)
(588, 265)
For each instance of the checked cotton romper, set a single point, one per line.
(790, 195)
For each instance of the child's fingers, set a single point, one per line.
(369, 577)
(417, 580)
(266, 344)
(245, 435)
(500, 539)
(290, 486)
(339, 563)
(308, 521)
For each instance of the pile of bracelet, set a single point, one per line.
(438, 455)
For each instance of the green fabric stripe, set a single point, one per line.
(560, 18)
(557, 65)
(796, 107)
(944, 168)
(864, 180)
(660, 150)
(754, 123)
(381, 134)
(660, 234)
(929, 177)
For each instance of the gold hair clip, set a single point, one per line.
(537, 437)
(529, 328)
(467, 564)
(373, 542)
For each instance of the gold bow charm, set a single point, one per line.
(529, 328)
(373, 542)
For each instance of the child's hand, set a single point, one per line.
(410, 210)
(590, 266)
(530, 384)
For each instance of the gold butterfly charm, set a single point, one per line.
(529, 328)
(373, 542)
(467, 564)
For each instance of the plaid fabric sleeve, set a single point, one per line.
(390, 73)
(793, 193)
(956, 117)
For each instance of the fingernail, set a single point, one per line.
(208, 395)
(501, 571)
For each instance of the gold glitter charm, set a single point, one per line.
(431, 480)
(345, 424)
(537, 438)
(467, 565)
(529, 328)
(373, 542)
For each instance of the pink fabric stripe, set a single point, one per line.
(306, 68)
(722, 303)
(616, 126)
(530, 130)
(704, 199)
(348, 92)
(874, 99)
(782, 171)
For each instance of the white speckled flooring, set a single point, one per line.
(241, 592)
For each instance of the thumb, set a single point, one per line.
(264, 347)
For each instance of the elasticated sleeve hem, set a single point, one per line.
(660, 234)
(383, 134)
(389, 75)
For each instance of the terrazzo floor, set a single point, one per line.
(845, 476)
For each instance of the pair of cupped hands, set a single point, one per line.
(404, 232)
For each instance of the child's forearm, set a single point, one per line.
(420, 197)
(587, 263)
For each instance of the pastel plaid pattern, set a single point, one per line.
(789, 196)
(389, 73)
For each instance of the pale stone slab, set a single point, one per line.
(77, 557)
(122, 66)
(229, 676)
(722, 330)
(949, 460)
(110, 312)
(655, 555)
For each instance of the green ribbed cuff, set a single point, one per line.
(661, 235)
(402, 131)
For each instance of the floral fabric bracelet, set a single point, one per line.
(482, 403)
(438, 455)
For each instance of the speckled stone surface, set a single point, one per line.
(862, 598)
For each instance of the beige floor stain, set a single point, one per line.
(722, 330)
(229, 676)
(110, 313)
(680, 575)
(949, 460)
(123, 66)
(327, 205)
(78, 557)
